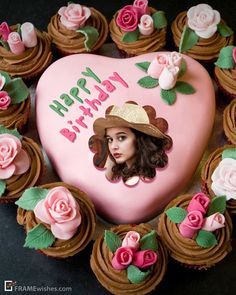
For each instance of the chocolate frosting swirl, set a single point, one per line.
(206, 50)
(226, 80)
(229, 121)
(69, 41)
(116, 281)
(84, 234)
(16, 184)
(187, 251)
(207, 170)
(144, 44)
(16, 116)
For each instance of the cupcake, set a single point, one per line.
(201, 33)
(14, 102)
(129, 259)
(218, 175)
(229, 122)
(24, 51)
(137, 29)
(61, 217)
(21, 164)
(77, 29)
(225, 72)
(196, 230)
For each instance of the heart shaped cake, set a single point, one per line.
(128, 132)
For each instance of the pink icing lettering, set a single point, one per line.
(93, 103)
(58, 108)
(81, 83)
(80, 122)
(76, 129)
(68, 101)
(70, 135)
(102, 95)
(109, 86)
(86, 111)
(117, 77)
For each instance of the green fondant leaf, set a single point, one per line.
(224, 30)
(176, 214)
(7, 77)
(112, 240)
(159, 20)
(149, 241)
(206, 239)
(135, 275)
(14, 132)
(184, 88)
(2, 187)
(143, 65)
(182, 68)
(17, 90)
(148, 82)
(4, 44)
(188, 39)
(229, 153)
(31, 197)
(225, 59)
(39, 237)
(91, 36)
(218, 204)
(131, 37)
(18, 29)
(90, 73)
(168, 96)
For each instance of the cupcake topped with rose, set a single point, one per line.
(200, 33)
(24, 51)
(77, 29)
(137, 29)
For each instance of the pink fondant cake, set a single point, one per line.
(174, 103)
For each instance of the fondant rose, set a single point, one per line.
(144, 259)
(146, 26)
(142, 7)
(157, 65)
(234, 54)
(74, 16)
(5, 100)
(60, 210)
(199, 202)
(224, 179)
(175, 59)
(127, 18)
(168, 77)
(203, 20)
(4, 31)
(122, 258)
(213, 222)
(28, 34)
(191, 224)
(2, 81)
(15, 43)
(13, 159)
(131, 240)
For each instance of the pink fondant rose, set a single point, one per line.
(127, 18)
(4, 31)
(131, 240)
(141, 6)
(144, 259)
(74, 16)
(175, 59)
(146, 26)
(234, 54)
(2, 81)
(15, 43)
(199, 202)
(122, 258)
(224, 179)
(203, 20)
(13, 159)
(61, 211)
(213, 222)
(5, 100)
(168, 77)
(191, 224)
(157, 65)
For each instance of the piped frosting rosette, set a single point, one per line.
(229, 121)
(129, 259)
(21, 165)
(196, 235)
(219, 174)
(61, 216)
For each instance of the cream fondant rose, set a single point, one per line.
(60, 210)
(146, 26)
(131, 240)
(203, 20)
(224, 179)
(15, 43)
(213, 222)
(74, 16)
(5, 100)
(168, 77)
(29, 36)
(175, 59)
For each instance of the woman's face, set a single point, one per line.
(121, 144)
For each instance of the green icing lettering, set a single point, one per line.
(81, 83)
(58, 108)
(68, 101)
(90, 73)
(74, 92)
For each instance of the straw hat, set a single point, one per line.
(129, 115)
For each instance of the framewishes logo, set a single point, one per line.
(8, 285)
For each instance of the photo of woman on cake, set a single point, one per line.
(130, 142)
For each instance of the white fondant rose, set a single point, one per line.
(28, 34)
(74, 16)
(168, 77)
(224, 179)
(2, 81)
(146, 26)
(175, 59)
(203, 20)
